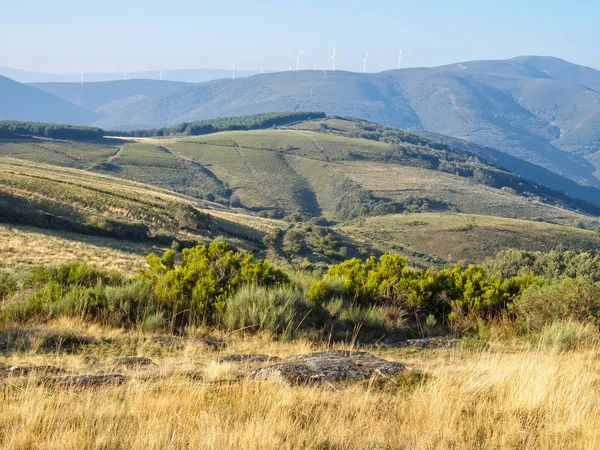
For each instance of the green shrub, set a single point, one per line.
(196, 291)
(294, 241)
(34, 306)
(276, 309)
(131, 304)
(324, 290)
(568, 299)
(9, 283)
(553, 264)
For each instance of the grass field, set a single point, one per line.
(507, 396)
(452, 238)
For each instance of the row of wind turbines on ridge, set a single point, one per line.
(333, 58)
(262, 69)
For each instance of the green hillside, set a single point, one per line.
(66, 199)
(374, 182)
(335, 168)
(459, 238)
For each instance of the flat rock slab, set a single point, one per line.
(133, 361)
(432, 342)
(29, 370)
(248, 359)
(179, 343)
(328, 367)
(86, 380)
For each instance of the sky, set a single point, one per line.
(63, 36)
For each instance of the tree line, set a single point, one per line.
(251, 122)
(11, 129)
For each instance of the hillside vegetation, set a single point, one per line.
(180, 189)
(67, 199)
(459, 238)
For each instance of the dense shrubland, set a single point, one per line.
(376, 298)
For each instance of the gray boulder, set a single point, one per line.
(328, 367)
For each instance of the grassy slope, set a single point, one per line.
(452, 238)
(286, 169)
(79, 195)
(45, 247)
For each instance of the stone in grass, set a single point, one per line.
(85, 380)
(245, 358)
(327, 367)
(431, 342)
(133, 361)
(179, 343)
(28, 370)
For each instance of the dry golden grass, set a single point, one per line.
(501, 398)
(22, 247)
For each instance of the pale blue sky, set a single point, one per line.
(108, 35)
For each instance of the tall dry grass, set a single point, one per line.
(534, 398)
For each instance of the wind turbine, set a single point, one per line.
(365, 62)
(161, 78)
(81, 77)
(125, 72)
(298, 60)
(315, 66)
(262, 69)
(333, 58)
(400, 58)
(233, 71)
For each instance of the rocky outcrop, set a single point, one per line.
(334, 366)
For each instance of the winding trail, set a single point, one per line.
(311, 92)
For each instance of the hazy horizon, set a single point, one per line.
(65, 36)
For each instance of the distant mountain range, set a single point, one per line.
(22, 102)
(539, 109)
(185, 75)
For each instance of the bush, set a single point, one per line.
(553, 264)
(330, 287)
(196, 291)
(294, 241)
(568, 299)
(9, 283)
(126, 304)
(260, 308)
